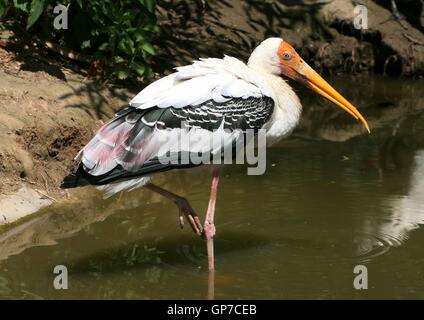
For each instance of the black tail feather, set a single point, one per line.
(74, 179)
(79, 177)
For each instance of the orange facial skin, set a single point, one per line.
(294, 67)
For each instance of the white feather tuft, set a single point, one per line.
(127, 185)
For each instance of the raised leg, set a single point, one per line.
(183, 205)
(209, 226)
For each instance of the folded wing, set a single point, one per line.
(211, 100)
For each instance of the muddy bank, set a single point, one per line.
(45, 119)
(322, 31)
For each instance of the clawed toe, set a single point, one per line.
(187, 211)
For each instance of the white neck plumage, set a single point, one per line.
(288, 108)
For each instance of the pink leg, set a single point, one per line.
(209, 226)
(183, 206)
(211, 285)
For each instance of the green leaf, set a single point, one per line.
(121, 74)
(118, 59)
(21, 5)
(139, 68)
(3, 6)
(95, 32)
(147, 47)
(149, 73)
(103, 46)
(126, 45)
(122, 46)
(130, 45)
(148, 4)
(86, 44)
(139, 37)
(131, 30)
(35, 12)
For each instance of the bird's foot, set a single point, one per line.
(209, 230)
(185, 210)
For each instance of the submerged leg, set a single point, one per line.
(209, 226)
(211, 285)
(184, 207)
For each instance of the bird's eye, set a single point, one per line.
(287, 55)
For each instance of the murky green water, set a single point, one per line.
(332, 197)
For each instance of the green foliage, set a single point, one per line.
(35, 11)
(116, 32)
(3, 7)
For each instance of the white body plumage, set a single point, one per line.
(212, 81)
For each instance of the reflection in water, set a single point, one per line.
(290, 233)
(408, 210)
(406, 214)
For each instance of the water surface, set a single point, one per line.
(332, 197)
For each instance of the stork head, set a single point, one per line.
(278, 57)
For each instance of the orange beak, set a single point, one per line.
(294, 67)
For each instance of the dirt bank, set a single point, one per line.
(322, 31)
(47, 113)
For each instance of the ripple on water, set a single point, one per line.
(371, 246)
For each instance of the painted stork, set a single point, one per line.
(209, 97)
